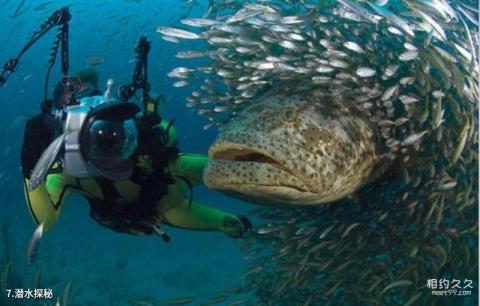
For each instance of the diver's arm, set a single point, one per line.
(191, 167)
(201, 217)
(196, 216)
(40, 205)
(46, 200)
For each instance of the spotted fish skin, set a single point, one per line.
(257, 156)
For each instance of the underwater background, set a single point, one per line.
(84, 263)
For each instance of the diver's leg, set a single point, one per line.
(191, 166)
(202, 217)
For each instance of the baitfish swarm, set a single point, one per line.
(411, 68)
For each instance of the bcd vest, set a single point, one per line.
(150, 172)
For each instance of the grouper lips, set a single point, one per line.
(234, 167)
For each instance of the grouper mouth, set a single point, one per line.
(248, 155)
(240, 168)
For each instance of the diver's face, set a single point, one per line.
(68, 95)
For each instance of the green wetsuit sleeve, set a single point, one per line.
(191, 167)
(195, 216)
(188, 165)
(201, 217)
(172, 132)
(45, 201)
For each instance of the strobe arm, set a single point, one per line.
(139, 77)
(59, 17)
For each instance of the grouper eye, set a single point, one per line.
(289, 115)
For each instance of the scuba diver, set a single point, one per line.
(124, 161)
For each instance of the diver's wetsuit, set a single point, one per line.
(174, 208)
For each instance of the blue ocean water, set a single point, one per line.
(100, 266)
(106, 268)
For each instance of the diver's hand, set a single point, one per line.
(237, 227)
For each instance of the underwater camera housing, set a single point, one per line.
(101, 135)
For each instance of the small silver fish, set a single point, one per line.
(365, 72)
(438, 114)
(395, 31)
(326, 43)
(408, 56)
(245, 50)
(463, 52)
(181, 84)
(241, 15)
(219, 40)
(410, 47)
(325, 232)
(437, 27)
(190, 54)
(393, 19)
(321, 79)
(335, 53)
(360, 10)
(265, 65)
(400, 121)
(198, 22)
(338, 63)
(389, 92)
(353, 46)
(390, 70)
(170, 39)
(220, 109)
(407, 80)
(461, 144)
(324, 69)
(280, 28)
(413, 139)
(45, 161)
(407, 99)
(447, 185)
(208, 125)
(295, 36)
(173, 32)
(34, 243)
(228, 28)
(291, 20)
(225, 73)
(180, 73)
(288, 45)
(381, 2)
(438, 94)
(260, 8)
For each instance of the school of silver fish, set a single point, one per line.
(411, 67)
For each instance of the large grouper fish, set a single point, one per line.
(367, 108)
(295, 149)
